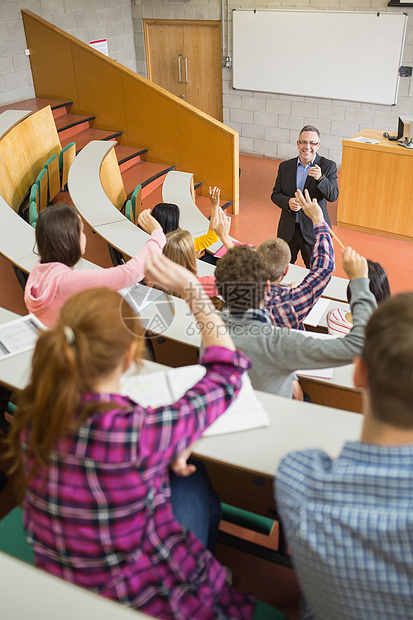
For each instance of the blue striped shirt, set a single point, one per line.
(350, 526)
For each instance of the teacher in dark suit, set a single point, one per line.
(307, 171)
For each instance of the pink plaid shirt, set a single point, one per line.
(101, 516)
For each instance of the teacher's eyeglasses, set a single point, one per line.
(305, 143)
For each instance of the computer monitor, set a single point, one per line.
(403, 130)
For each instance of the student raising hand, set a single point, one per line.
(354, 265)
(221, 224)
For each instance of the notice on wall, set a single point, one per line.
(101, 45)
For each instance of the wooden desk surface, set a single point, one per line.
(384, 146)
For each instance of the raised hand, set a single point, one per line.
(310, 207)
(354, 265)
(147, 222)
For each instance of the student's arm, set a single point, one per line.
(222, 225)
(122, 275)
(167, 431)
(300, 352)
(304, 295)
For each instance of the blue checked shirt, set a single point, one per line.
(302, 173)
(349, 523)
(289, 307)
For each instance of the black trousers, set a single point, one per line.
(299, 244)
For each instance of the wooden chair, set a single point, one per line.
(136, 202)
(53, 177)
(33, 214)
(12, 537)
(41, 183)
(66, 158)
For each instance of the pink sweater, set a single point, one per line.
(51, 284)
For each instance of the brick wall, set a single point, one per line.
(268, 123)
(84, 19)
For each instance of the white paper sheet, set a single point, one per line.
(313, 318)
(365, 140)
(164, 388)
(140, 296)
(19, 335)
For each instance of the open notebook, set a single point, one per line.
(19, 335)
(166, 387)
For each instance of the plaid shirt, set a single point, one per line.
(350, 526)
(289, 307)
(101, 516)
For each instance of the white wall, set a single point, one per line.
(85, 19)
(268, 123)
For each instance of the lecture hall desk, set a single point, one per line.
(376, 187)
(242, 464)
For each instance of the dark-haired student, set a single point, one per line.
(349, 521)
(287, 305)
(95, 463)
(277, 352)
(61, 243)
(168, 215)
(339, 322)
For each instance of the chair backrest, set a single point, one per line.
(136, 200)
(41, 183)
(112, 181)
(33, 214)
(53, 177)
(66, 158)
(12, 537)
(128, 210)
(34, 195)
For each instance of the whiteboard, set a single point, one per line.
(336, 55)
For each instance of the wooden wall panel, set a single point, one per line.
(50, 59)
(100, 90)
(174, 132)
(151, 120)
(212, 155)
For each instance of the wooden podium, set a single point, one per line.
(376, 187)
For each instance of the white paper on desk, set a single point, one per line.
(19, 335)
(164, 388)
(140, 296)
(365, 140)
(313, 318)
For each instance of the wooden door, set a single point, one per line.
(184, 57)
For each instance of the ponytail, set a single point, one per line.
(91, 338)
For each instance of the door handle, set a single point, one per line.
(186, 71)
(179, 69)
